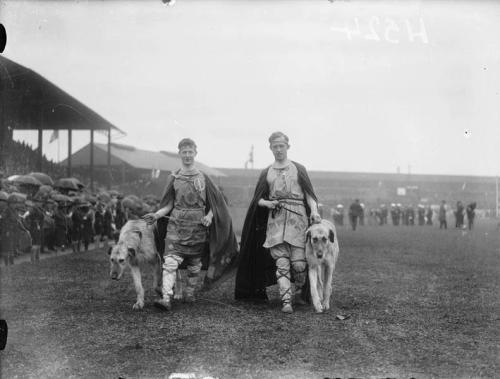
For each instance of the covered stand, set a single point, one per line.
(31, 102)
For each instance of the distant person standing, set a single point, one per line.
(99, 224)
(62, 226)
(76, 228)
(411, 215)
(428, 215)
(471, 214)
(421, 214)
(442, 216)
(11, 228)
(34, 223)
(362, 215)
(459, 215)
(120, 217)
(394, 215)
(355, 211)
(88, 219)
(405, 216)
(383, 214)
(107, 225)
(340, 215)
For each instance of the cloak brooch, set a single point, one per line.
(199, 185)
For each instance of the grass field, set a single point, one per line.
(419, 302)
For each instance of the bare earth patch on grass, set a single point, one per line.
(419, 302)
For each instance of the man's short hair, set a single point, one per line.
(278, 135)
(186, 142)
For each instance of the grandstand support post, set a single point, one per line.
(40, 147)
(92, 160)
(109, 159)
(70, 142)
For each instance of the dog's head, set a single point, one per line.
(319, 236)
(122, 253)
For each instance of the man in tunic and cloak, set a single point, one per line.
(274, 233)
(199, 227)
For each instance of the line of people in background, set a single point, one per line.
(404, 214)
(37, 224)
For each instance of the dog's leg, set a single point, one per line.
(136, 275)
(321, 281)
(327, 288)
(179, 290)
(313, 279)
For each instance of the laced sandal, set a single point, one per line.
(163, 304)
(286, 301)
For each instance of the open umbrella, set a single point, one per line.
(90, 198)
(67, 184)
(61, 198)
(3, 200)
(114, 193)
(26, 180)
(78, 183)
(44, 191)
(132, 202)
(104, 197)
(42, 177)
(17, 197)
(13, 177)
(151, 199)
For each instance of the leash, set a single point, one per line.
(281, 205)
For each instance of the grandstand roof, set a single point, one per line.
(370, 176)
(31, 101)
(133, 157)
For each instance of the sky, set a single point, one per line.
(358, 86)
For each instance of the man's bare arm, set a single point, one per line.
(162, 212)
(315, 217)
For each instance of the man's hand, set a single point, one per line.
(271, 204)
(207, 220)
(150, 218)
(315, 218)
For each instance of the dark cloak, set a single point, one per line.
(222, 246)
(256, 266)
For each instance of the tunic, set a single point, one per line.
(185, 233)
(283, 225)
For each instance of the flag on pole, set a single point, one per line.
(250, 158)
(54, 136)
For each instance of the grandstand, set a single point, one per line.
(19, 157)
(130, 163)
(376, 188)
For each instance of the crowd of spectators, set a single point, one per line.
(20, 157)
(39, 218)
